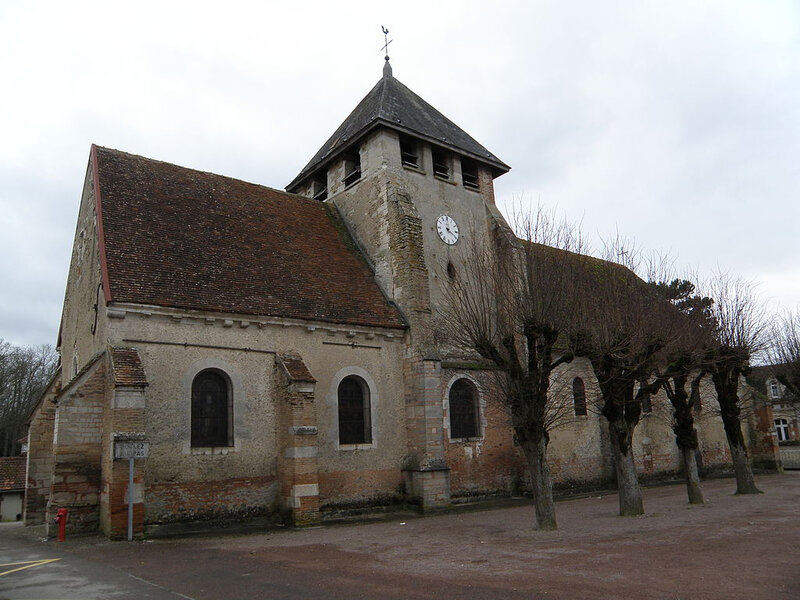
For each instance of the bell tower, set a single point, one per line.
(413, 189)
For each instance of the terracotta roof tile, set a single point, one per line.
(12, 473)
(296, 368)
(188, 239)
(128, 369)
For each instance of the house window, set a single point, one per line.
(441, 163)
(463, 409)
(782, 429)
(469, 173)
(579, 397)
(773, 390)
(409, 152)
(352, 168)
(320, 186)
(647, 403)
(354, 411)
(211, 410)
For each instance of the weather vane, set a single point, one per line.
(387, 41)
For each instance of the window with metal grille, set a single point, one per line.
(782, 429)
(211, 408)
(352, 168)
(409, 152)
(579, 397)
(463, 409)
(469, 173)
(441, 163)
(354, 411)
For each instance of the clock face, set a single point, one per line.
(448, 230)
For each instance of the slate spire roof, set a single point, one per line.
(392, 104)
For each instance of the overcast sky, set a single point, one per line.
(675, 123)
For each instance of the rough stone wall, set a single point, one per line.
(82, 325)
(244, 349)
(77, 447)
(40, 456)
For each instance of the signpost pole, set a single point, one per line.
(130, 498)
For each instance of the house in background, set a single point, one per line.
(12, 487)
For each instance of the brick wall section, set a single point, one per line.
(77, 452)
(298, 466)
(40, 457)
(763, 440)
(125, 414)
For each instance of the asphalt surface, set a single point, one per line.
(733, 547)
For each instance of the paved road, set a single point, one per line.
(733, 547)
(32, 569)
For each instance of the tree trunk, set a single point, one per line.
(742, 469)
(542, 484)
(692, 477)
(630, 493)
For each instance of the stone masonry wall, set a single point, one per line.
(77, 451)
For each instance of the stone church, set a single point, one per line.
(273, 350)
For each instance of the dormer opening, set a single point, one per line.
(319, 188)
(441, 163)
(352, 168)
(469, 173)
(409, 152)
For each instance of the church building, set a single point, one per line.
(274, 350)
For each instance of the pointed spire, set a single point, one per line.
(387, 69)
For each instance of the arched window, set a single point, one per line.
(579, 397)
(211, 410)
(782, 429)
(354, 411)
(463, 409)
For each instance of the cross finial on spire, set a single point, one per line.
(387, 41)
(387, 68)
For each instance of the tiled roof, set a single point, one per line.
(296, 369)
(12, 473)
(128, 369)
(390, 103)
(183, 238)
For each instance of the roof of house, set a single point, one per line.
(392, 104)
(176, 237)
(12, 473)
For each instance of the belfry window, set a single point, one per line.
(409, 152)
(320, 186)
(579, 397)
(441, 163)
(211, 410)
(352, 168)
(469, 173)
(463, 410)
(354, 411)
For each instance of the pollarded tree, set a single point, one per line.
(625, 327)
(740, 330)
(681, 374)
(514, 305)
(784, 352)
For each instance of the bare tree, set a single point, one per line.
(24, 374)
(680, 376)
(514, 305)
(784, 352)
(625, 327)
(740, 333)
